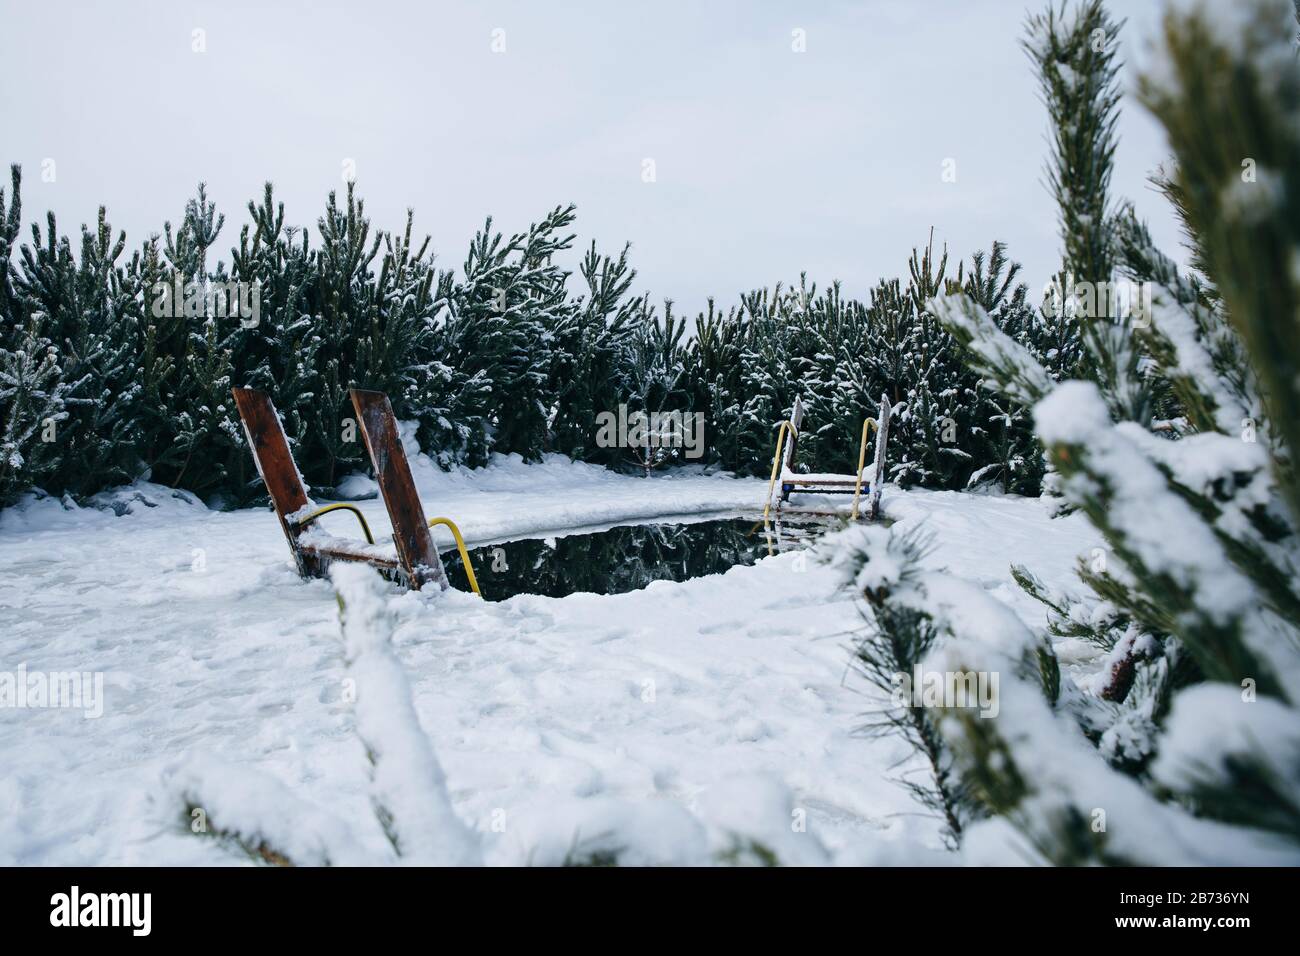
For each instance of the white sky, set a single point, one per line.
(768, 161)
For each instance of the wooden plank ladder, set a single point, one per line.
(787, 440)
(416, 563)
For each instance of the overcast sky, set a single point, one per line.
(767, 161)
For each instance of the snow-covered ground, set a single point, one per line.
(727, 700)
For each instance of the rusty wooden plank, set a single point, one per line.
(328, 553)
(347, 551)
(321, 557)
(270, 449)
(415, 548)
(275, 464)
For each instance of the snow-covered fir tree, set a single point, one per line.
(654, 386)
(502, 355)
(594, 347)
(1179, 744)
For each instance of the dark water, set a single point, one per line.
(627, 557)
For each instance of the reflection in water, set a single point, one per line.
(627, 557)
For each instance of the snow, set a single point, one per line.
(208, 794)
(409, 789)
(1210, 725)
(671, 724)
(356, 487)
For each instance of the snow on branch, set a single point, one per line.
(916, 615)
(260, 815)
(1235, 755)
(408, 788)
(1161, 538)
(994, 354)
(1030, 764)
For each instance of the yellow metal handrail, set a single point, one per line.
(340, 506)
(460, 546)
(776, 465)
(862, 461)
